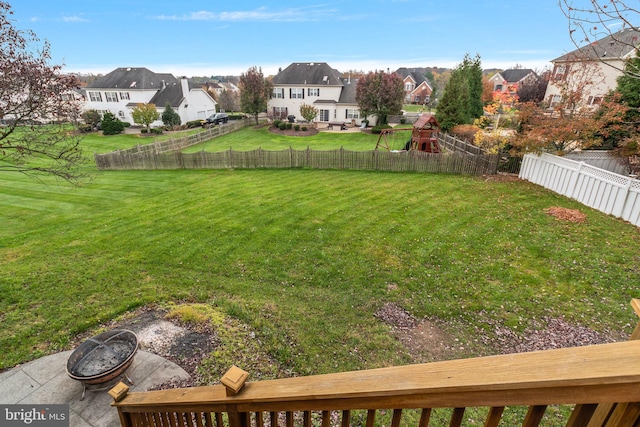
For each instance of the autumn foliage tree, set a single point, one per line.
(380, 94)
(308, 112)
(255, 91)
(33, 93)
(145, 114)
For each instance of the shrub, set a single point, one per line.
(465, 132)
(403, 121)
(276, 123)
(236, 116)
(143, 130)
(126, 124)
(85, 128)
(194, 124)
(169, 116)
(289, 125)
(156, 131)
(304, 128)
(111, 125)
(282, 126)
(296, 127)
(378, 129)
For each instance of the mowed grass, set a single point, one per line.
(305, 258)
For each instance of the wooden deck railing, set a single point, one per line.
(601, 382)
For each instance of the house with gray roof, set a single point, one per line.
(316, 84)
(123, 88)
(506, 83)
(594, 67)
(417, 89)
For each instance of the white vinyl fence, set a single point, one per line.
(600, 189)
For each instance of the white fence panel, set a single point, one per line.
(597, 188)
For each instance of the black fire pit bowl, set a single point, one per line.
(103, 357)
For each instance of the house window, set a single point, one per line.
(313, 91)
(408, 87)
(121, 114)
(559, 72)
(95, 96)
(324, 115)
(66, 97)
(352, 113)
(296, 93)
(279, 112)
(111, 96)
(278, 92)
(594, 100)
(124, 96)
(498, 88)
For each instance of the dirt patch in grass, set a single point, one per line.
(292, 132)
(564, 214)
(429, 340)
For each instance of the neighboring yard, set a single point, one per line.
(308, 271)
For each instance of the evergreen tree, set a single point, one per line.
(629, 89)
(170, 117)
(111, 125)
(461, 102)
(452, 108)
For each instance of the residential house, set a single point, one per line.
(416, 86)
(316, 84)
(592, 69)
(506, 84)
(124, 88)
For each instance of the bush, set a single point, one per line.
(304, 129)
(276, 123)
(282, 126)
(156, 131)
(296, 127)
(465, 132)
(378, 129)
(126, 124)
(289, 125)
(236, 116)
(85, 128)
(170, 117)
(111, 125)
(194, 124)
(143, 130)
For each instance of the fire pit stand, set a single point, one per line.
(102, 358)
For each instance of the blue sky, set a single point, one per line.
(198, 38)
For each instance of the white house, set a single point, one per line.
(123, 88)
(592, 69)
(316, 84)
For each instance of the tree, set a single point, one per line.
(380, 94)
(452, 107)
(534, 90)
(461, 102)
(34, 92)
(255, 92)
(91, 118)
(591, 20)
(308, 112)
(170, 117)
(111, 125)
(145, 114)
(228, 101)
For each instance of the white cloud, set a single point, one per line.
(310, 13)
(74, 18)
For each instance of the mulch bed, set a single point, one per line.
(292, 132)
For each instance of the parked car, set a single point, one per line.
(217, 118)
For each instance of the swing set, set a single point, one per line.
(423, 136)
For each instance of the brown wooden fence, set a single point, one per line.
(409, 161)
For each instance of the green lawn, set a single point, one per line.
(305, 258)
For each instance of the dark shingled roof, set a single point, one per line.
(515, 75)
(308, 73)
(348, 94)
(132, 78)
(617, 45)
(416, 73)
(172, 94)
